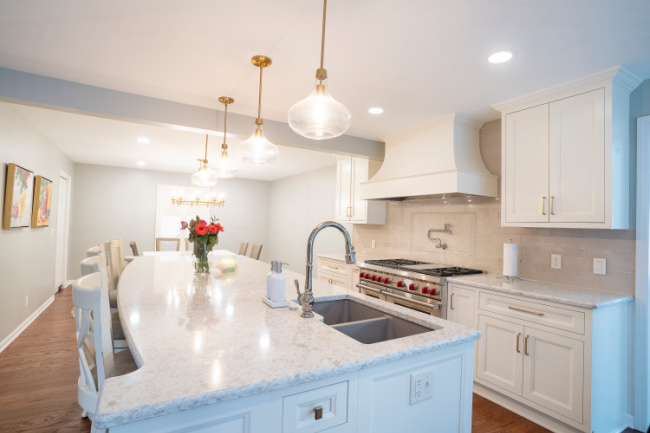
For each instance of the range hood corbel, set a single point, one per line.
(440, 157)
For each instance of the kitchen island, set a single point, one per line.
(212, 356)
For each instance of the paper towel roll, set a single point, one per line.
(510, 260)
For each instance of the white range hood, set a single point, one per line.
(438, 158)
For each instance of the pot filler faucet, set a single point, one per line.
(306, 298)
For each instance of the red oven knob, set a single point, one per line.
(400, 284)
(386, 280)
(433, 292)
(361, 275)
(374, 278)
(412, 286)
(425, 290)
(367, 276)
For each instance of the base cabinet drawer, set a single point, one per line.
(316, 410)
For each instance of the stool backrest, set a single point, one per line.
(134, 248)
(256, 251)
(90, 265)
(243, 248)
(92, 323)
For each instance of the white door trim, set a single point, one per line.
(66, 229)
(642, 334)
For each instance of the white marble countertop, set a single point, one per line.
(569, 295)
(204, 341)
(341, 257)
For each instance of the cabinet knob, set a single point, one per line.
(318, 412)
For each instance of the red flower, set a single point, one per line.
(183, 225)
(219, 227)
(201, 229)
(212, 229)
(203, 222)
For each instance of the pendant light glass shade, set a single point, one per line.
(319, 116)
(205, 176)
(225, 168)
(257, 150)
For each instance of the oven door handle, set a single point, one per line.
(435, 306)
(371, 289)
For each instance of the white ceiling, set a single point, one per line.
(94, 140)
(419, 59)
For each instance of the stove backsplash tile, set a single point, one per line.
(403, 235)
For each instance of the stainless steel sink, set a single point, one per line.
(365, 324)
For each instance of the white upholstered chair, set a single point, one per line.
(168, 244)
(90, 265)
(96, 359)
(94, 251)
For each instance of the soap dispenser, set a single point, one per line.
(278, 283)
(269, 279)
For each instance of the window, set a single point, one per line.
(169, 216)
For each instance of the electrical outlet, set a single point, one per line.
(600, 266)
(374, 243)
(556, 261)
(26, 301)
(421, 386)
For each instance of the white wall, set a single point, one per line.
(298, 204)
(113, 202)
(27, 254)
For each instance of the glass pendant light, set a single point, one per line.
(225, 168)
(257, 150)
(205, 176)
(319, 116)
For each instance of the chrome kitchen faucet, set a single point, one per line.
(306, 298)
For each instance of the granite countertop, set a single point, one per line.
(569, 295)
(201, 341)
(341, 258)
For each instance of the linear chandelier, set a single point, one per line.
(196, 201)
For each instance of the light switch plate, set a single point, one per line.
(374, 243)
(556, 261)
(421, 386)
(600, 266)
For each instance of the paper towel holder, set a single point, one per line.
(509, 278)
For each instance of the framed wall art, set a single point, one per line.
(19, 191)
(42, 202)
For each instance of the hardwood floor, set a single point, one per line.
(39, 371)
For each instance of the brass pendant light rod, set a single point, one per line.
(261, 62)
(226, 100)
(321, 73)
(205, 158)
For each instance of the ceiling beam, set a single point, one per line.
(23, 88)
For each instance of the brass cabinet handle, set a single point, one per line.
(331, 267)
(552, 197)
(525, 311)
(526, 345)
(518, 335)
(544, 205)
(451, 301)
(318, 412)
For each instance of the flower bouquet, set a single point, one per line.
(204, 237)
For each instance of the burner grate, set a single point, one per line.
(395, 263)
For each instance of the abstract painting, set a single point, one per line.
(42, 202)
(19, 191)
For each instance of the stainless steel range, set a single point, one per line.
(412, 284)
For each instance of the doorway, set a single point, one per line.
(62, 228)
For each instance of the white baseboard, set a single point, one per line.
(16, 332)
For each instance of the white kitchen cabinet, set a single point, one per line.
(337, 272)
(499, 354)
(461, 305)
(350, 208)
(563, 367)
(565, 154)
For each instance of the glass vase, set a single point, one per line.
(201, 251)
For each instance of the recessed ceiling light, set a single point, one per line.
(142, 163)
(375, 110)
(143, 140)
(500, 57)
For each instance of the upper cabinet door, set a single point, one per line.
(526, 166)
(343, 189)
(577, 159)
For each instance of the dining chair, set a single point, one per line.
(90, 265)
(256, 250)
(109, 262)
(243, 248)
(168, 244)
(97, 362)
(134, 248)
(94, 251)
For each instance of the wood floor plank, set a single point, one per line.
(39, 372)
